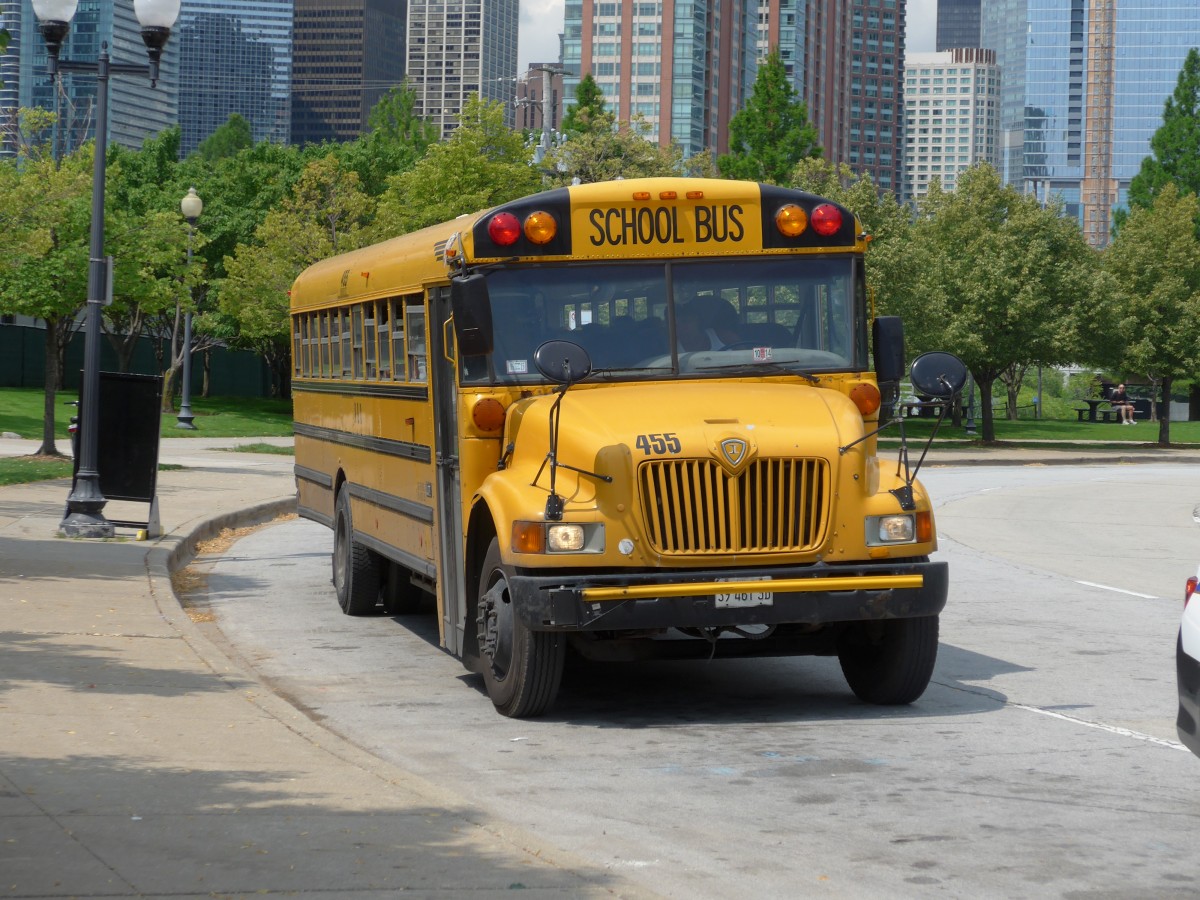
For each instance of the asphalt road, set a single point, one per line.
(1041, 762)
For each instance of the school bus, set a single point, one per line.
(627, 419)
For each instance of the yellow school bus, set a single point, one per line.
(626, 419)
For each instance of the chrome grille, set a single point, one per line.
(774, 505)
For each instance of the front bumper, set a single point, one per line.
(808, 595)
(1188, 722)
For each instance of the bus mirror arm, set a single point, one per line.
(554, 503)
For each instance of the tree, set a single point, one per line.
(45, 221)
(482, 164)
(1143, 318)
(606, 154)
(889, 260)
(396, 138)
(997, 278)
(233, 136)
(771, 133)
(1175, 146)
(326, 214)
(588, 114)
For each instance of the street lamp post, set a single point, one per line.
(85, 503)
(191, 206)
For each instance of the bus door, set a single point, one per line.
(449, 507)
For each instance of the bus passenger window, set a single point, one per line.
(356, 339)
(414, 317)
(396, 320)
(384, 330)
(298, 346)
(369, 343)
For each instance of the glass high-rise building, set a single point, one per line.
(684, 68)
(1091, 77)
(136, 110)
(346, 55)
(235, 56)
(958, 24)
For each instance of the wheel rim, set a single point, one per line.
(496, 619)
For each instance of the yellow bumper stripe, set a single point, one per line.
(778, 585)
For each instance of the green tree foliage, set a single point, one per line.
(396, 138)
(1175, 146)
(606, 154)
(232, 137)
(482, 164)
(885, 220)
(1143, 318)
(771, 133)
(997, 279)
(325, 214)
(45, 220)
(588, 114)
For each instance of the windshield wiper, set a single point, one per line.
(769, 368)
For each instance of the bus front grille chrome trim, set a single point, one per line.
(694, 506)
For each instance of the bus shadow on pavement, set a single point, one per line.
(771, 690)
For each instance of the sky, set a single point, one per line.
(542, 20)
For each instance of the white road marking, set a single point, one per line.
(1111, 729)
(1106, 587)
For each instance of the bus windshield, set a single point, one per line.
(662, 319)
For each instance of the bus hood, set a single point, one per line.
(607, 427)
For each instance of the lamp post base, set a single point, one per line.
(184, 420)
(84, 517)
(87, 525)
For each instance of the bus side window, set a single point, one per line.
(414, 319)
(396, 321)
(369, 348)
(326, 368)
(384, 330)
(356, 340)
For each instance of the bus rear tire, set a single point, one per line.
(889, 662)
(356, 570)
(522, 668)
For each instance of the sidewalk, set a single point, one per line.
(137, 760)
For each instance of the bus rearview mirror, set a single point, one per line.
(888, 339)
(472, 308)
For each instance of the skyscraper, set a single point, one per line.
(952, 102)
(235, 57)
(346, 55)
(958, 24)
(683, 67)
(458, 48)
(1084, 86)
(136, 110)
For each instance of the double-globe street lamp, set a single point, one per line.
(85, 503)
(191, 206)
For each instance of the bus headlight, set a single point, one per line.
(564, 538)
(558, 537)
(891, 530)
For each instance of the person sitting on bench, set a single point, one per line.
(1120, 401)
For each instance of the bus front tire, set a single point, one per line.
(889, 662)
(356, 570)
(522, 668)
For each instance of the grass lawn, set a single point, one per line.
(21, 411)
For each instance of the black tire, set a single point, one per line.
(356, 570)
(400, 596)
(521, 668)
(889, 661)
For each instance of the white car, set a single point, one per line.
(1187, 663)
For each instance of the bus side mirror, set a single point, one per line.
(563, 362)
(472, 308)
(938, 375)
(888, 338)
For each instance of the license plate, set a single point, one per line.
(738, 599)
